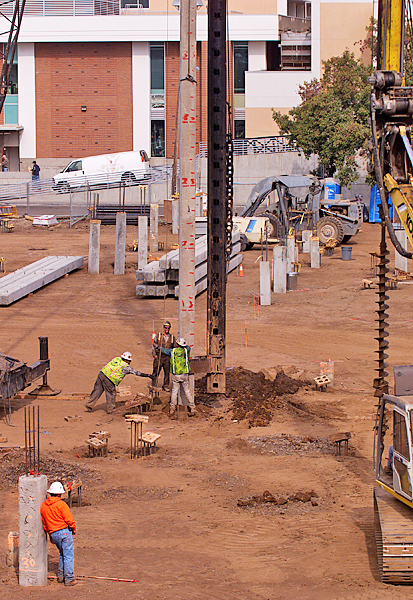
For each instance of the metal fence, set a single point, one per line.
(262, 145)
(44, 187)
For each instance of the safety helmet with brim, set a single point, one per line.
(56, 488)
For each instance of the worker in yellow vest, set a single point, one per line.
(108, 378)
(180, 370)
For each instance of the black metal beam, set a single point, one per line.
(217, 218)
(18, 377)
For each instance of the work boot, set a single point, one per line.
(192, 412)
(172, 412)
(60, 578)
(73, 582)
(88, 409)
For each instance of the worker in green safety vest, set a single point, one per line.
(180, 370)
(108, 378)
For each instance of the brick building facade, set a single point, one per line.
(89, 80)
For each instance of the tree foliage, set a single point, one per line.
(332, 119)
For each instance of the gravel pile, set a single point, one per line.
(12, 466)
(290, 444)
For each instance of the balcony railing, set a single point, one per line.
(262, 145)
(293, 24)
(64, 8)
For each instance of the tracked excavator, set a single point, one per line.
(391, 121)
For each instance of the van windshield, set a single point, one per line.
(76, 165)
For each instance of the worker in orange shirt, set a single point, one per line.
(59, 523)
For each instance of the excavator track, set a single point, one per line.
(393, 525)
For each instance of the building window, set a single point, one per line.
(138, 4)
(157, 57)
(299, 9)
(158, 138)
(240, 66)
(239, 130)
(11, 109)
(273, 56)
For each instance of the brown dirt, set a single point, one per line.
(174, 520)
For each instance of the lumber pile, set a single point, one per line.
(160, 278)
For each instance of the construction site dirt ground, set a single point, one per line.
(248, 499)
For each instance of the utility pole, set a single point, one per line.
(217, 204)
(187, 160)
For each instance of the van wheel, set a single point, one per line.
(63, 187)
(128, 178)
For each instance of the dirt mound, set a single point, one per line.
(269, 498)
(13, 465)
(254, 397)
(283, 445)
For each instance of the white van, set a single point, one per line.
(105, 169)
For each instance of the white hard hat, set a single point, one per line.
(181, 342)
(126, 356)
(56, 488)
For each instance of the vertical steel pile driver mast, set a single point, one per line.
(391, 122)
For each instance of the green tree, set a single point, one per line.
(332, 119)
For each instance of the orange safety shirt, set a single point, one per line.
(56, 515)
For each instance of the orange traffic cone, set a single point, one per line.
(240, 271)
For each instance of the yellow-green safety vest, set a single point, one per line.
(179, 361)
(113, 370)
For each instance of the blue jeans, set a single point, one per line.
(63, 539)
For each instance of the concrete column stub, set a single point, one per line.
(290, 253)
(306, 236)
(315, 253)
(142, 242)
(33, 539)
(175, 217)
(280, 269)
(120, 243)
(94, 248)
(400, 262)
(153, 228)
(265, 283)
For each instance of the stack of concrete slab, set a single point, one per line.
(161, 278)
(29, 279)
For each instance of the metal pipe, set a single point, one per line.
(29, 435)
(44, 353)
(25, 434)
(38, 440)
